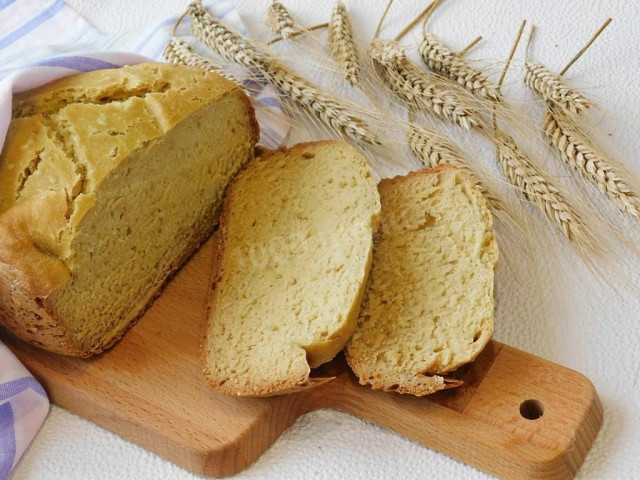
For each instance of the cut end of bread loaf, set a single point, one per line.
(429, 306)
(135, 161)
(295, 250)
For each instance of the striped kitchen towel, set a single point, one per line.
(41, 41)
(23, 407)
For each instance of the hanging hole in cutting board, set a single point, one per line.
(531, 409)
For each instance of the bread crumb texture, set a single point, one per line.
(429, 307)
(296, 235)
(108, 181)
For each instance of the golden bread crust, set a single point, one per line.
(51, 167)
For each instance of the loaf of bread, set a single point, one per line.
(109, 180)
(429, 307)
(295, 250)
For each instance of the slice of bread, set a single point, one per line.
(429, 306)
(295, 250)
(109, 180)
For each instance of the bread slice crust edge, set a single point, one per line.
(318, 353)
(422, 384)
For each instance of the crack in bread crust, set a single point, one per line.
(52, 103)
(98, 128)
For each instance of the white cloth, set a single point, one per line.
(583, 326)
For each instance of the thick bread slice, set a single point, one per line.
(429, 306)
(296, 242)
(109, 180)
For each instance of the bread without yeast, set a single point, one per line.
(108, 181)
(295, 249)
(429, 306)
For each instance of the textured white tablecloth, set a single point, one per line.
(580, 325)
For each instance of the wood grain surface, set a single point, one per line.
(149, 390)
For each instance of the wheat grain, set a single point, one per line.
(553, 88)
(540, 190)
(439, 58)
(304, 94)
(387, 52)
(279, 20)
(342, 44)
(417, 88)
(585, 157)
(179, 52)
(432, 149)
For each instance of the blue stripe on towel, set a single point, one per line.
(270, 102)
(31, 24)
(7, 440)
(81, 64)
(14, 387)
(6, 3)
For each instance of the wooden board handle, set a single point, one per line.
(149, 389)
(517, 416)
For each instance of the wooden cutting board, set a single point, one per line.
(149, 390)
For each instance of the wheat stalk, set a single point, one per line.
(279, 20)
(416, 87)
(586, 158)
(312, 99)
(553, 89)
(539, 189)
(432, 149)
(179, 52)
(342, 45)
(439, 58)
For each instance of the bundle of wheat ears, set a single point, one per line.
(450, 88)
(419, 89)
(232, 46)
(441, 59)
(564, 132)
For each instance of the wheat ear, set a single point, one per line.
(416, 87)
(586, 158)
(230, 45)
(539, 189)
(432, 149)
(279, 20)
(553, 88)
(439, 58)
(342, 45)
(534, 185)
(179, 52)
